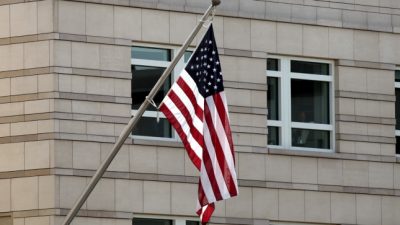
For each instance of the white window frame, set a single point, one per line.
(175, 220)
(285, 123)
(174, 75)
(397, 132)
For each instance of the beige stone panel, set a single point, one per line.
(143, 159)
(251, 166)
(183, 199)
(304, 170)
(291, 205)
(5, 87)
(122, 88)
(4, 21)
(100, 86)
(5, 197)
(86, 155)
(388, 149)
(48, 126)
(37, 106)
(167, 155)
(234, 39)
(11, 109)
(85, 55)
(352, 79)
(181, 25)
(5, 130)
(128, 195)
(289, 38)
(244, 119)
(157, 197)
(363, 39)
(11, 57)
(343, 208)
(24, 128)
(353, 128)
(23, 19)
(24, 85)
(265, 203)
(42, 220)
(45, 16)
(244, 100)
(115, 58)
(367, 148)
(355, 173)
(48, 192)
(121, 160)
(241, 205)
(103, 196)
(346, 106)
(71, 188)
(258, 99)
(127, 23)
(190, 169)
(341, 43)
(368, 209)
(315, 41)
(390, 210)
(380, 82)
(317, 206)
(112, 109)
(18, 221)
(237, 69)
(263, 36)
(389, 48)
(330, 171)
(152, 19)
(368, 108)
(387, 109)
(346, 146)
(61, 53)
(37, 155)
(106, 129)
(381, 175)
(64, 83)
(61, 154)
(218, 25)
(86, 107)
(100, 20)
(279, 168)
(73, 127)
(12, 157)
(47, 83)
(396, 176)
(71, 17)
(24, 193)
(78, 84)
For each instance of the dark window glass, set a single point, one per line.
(397, 110)
(186, 56)
(309, 67)
(273, 98)
(145, 221)
(397, 76)
(273, 64)
(310, 101)
(188, 222)
(273, 136)
(151, 53)
(143, 80)
(148, 126)
(397, 145)
(310, 138)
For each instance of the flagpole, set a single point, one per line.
(133, 121)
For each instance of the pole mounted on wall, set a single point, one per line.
(133, 121)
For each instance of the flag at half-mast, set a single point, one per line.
(197, 109)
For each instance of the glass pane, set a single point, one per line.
(143, 80)
(273, 98)
(151, 53)
(310, 138)
(397, 110)
(148, 126)
(310, 101)
(188, 222)
(397, 76)
(273, 136)
(397, 145)
(273, 64)
(186, 56)
(309, 67)
(145, 221)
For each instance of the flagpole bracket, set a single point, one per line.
(151, 101)
(216, 2)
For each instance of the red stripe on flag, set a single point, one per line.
(189, 93)
(222, 111)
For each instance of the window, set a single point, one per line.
(397, 111)
(148, 64)
(151, 221)
(300, 103)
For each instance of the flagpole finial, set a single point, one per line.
(216, 2)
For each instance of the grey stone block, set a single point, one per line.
(252, 9)
(177, 5)
(197, 6)
(396, 23)
(229, 8)
(144, 3)
(381, 22)
(355, 19)
(329, 17)
(304, 14)
(278, 11)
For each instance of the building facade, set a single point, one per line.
(311, 88)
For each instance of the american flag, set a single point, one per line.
(197, 109)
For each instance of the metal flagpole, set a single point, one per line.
(127, 130)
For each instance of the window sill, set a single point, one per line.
(166, 142)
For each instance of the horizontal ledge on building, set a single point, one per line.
(365, 95)
(248, 110)
(366, 64)
(245, 85)
(366, 138)
(365, 119)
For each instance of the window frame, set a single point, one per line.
(396, 132)
(285, 123)
(175, 220)
(174, 76)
